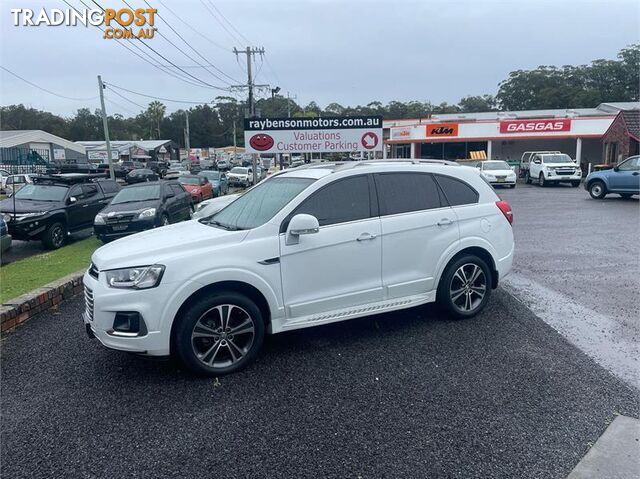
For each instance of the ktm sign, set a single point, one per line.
(442, 129)
(535, 126)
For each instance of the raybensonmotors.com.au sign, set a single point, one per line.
(313, 135)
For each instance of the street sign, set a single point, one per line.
(313, 135)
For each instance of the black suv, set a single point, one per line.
(55, 206)
(141, 207)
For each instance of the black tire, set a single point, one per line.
(541, 181)
(512, 186)
(626, 196)
(452, 284)
(597, 190)
(164, 220)
(232, 352)
(575, 184)
(527, 178)
(55, 236)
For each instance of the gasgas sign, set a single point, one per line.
(535, 126)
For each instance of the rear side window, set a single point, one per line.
(456, 191)
(339, 202)
(405, 192)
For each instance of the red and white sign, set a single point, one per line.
(402, 133)
(369, 140)
(535, 126)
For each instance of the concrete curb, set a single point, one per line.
(22, 308)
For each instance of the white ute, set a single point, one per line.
(548, 168)
(310, 246)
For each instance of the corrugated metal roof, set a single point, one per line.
(146, 144)
(12, 138)
(615, 107)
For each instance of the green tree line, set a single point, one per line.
(212, 124)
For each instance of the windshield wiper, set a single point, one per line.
(224, 225)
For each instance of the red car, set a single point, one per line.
(199, 187)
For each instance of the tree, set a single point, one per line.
(155, 113)
(473, 104)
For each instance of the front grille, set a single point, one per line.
(88, 300)
(565, 172)
(93, 271)
(121, 218)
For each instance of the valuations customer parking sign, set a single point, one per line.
(313, 135)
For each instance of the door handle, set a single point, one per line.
(366, 237)
(445, 222)
(85, 206)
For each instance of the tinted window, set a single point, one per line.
(339, 202)
(457, 192)
(109, 186)
(404, 192)
(177, 189)
(89, 190)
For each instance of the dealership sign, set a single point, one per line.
(442, 129)
(535, 126)
(313, 135)
(401, 133)
(101, 155)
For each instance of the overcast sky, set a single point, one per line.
(351, 52)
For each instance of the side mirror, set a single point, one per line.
(301, 224)
(72, 199)
(616, 168)
(537, 162)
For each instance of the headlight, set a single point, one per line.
(148, 213)
(6, 217)
(99, 219)
(141, 277)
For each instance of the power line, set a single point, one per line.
(144, 56)
(231, 34)
(44, 89)
(156, 97)
(127, 99)
(120, 106)
(192, 48)
(230, 24)
(165, 58)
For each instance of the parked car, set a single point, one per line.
(240, 176)
(553, 168)
(174, 174)
(212, 206)
(526, 157)
(13, 183)
(296, 163)
(218, 181)
(55, 206)
(5, 237)
(4, 174)
(141, 207)
(497, 172)
(301, 250)
(158, 167)
(199, 187)
(623, 179)
(223, 164)
(131, 165)
(141, 176)
(118, 170)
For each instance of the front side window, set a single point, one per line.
(456, 191)
(405, 192)
(260, 204)
(630, 164)
(339, 202)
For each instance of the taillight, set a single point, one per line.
(506, 210)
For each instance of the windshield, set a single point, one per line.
(496, 165)
(239, 170)
(41, 193)
(211, 175)
(556, 159)
(260, 204)
(189, 180)
(138, 193)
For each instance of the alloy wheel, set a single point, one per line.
(57, 236)
(222, 336)
(468, 287)
(596, 189)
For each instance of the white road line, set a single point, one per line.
(592, 332)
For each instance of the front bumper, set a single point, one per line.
(505, 182)
(118, 230)
(238, 181)
(27, 230)
(553, 176)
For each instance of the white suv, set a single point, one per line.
(305, 247)
(547, 168)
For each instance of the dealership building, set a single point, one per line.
(505, 135)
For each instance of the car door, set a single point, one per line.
(170, 204)
(626, 177)
(182, 201)
(417, 228)
(340, 265)
(93, 198)
(79, 213)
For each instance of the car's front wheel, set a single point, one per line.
(465, 287)
(541, 180)
(575, 184)
(55, 236)
(527, 178)
(219, 334)
(597, 190)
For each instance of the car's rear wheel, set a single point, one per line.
(465, 287)
(575, 184)
(541, 180)
(55, 236)
(164, 220)
(220, 334)
(597, 190)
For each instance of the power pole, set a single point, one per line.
(289, 104)
(234, 140)
(105, 124)
(251, 53)
(187, 141)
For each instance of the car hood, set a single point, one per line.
(137, 206)
(28, 206)
(566, 165)
(165, 245)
